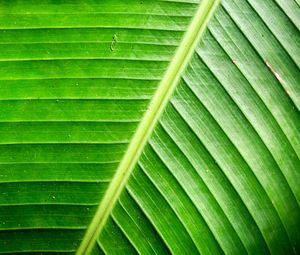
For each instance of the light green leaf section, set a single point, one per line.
(106, 147)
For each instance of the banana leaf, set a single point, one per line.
(149, 127)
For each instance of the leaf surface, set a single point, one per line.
(108, 147)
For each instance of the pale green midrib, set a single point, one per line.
(146, 126)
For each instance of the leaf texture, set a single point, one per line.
(70, 103)
(222, 165)
(220, 172)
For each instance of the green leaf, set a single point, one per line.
(127, 127)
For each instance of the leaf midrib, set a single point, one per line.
(146, 126)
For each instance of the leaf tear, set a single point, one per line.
(277, 76)
(113, 42)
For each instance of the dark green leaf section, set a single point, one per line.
(70, 132)
(128, 216)
(75, 80)
(14, 241)
(47, 216)
(220, 173)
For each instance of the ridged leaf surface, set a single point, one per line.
(127, 129)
